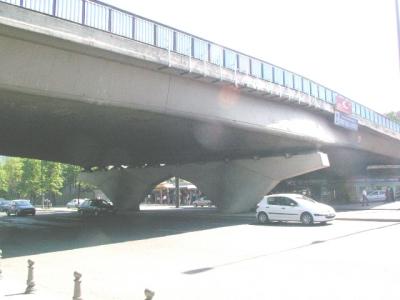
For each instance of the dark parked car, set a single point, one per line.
(96, 207)
(21, 207)
(4, 204)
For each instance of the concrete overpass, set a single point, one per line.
(97, 86)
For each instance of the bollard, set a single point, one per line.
(30, 283)
(77, 286)
(149, 294)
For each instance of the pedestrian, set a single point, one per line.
(391, 192)
(364, 198)
(387, 194)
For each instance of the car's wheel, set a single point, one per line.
(34, 213)
(323, 223)
(262, 218)
(195, 205)
(8, 213)
(306, 218)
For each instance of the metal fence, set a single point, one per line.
(102, 16)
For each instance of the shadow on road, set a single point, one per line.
(21, 236)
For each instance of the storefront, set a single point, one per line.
(330, 189)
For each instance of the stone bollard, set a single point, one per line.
(77, 286)
(149, 294)
(30, 283)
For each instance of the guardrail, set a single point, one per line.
(108, 18)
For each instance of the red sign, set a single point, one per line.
(343, 105)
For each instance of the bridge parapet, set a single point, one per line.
(192, 54)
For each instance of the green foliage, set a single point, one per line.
(34, 179)
(70, 174)
(31, 180)
(52, 177)
(394, 116)
(11, 176)
(3, 182)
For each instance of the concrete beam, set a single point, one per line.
(234, 186)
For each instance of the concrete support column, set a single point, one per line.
(234, 186)
(127, 188)
(238, 185)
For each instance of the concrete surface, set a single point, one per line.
(234, 185)
(195, 254)
(57, 92)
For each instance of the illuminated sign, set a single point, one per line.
(343, 105)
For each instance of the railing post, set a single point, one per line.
(174, 41)
(109, 19)
(250, 72)
(236, 69)
(155, 34)
(169, 50)
(21, 3)
(284, 77)
(191, 54)
(133, 27)
(262, 70)
(209, 52)
(191, 46)
(273, 74)
(54, 7)
(83, 11)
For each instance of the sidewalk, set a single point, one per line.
(372, 206)
(375, 211)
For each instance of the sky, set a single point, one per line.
(350, 46)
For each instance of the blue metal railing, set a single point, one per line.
(105, 17)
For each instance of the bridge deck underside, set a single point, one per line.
(99, 135)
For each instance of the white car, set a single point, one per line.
(293, 207)
(74, 203)
(376, 195)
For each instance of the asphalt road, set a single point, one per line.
(198, 254)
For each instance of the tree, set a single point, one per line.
(31, 179)
(394, 116)
(3, 182)
(52, 179)
(12, 169)
(34, 179)
(70, 174)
